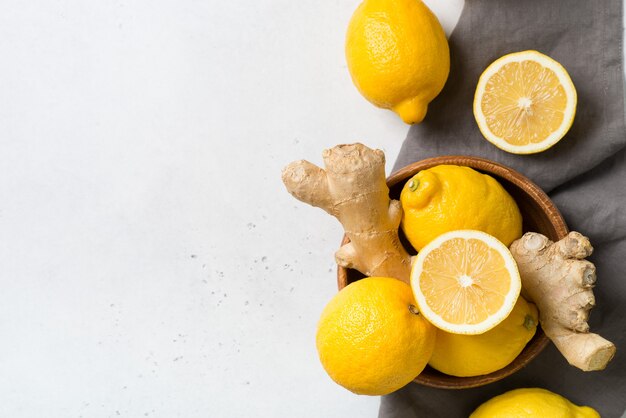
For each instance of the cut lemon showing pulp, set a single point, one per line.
(465, 282)
(525, 102)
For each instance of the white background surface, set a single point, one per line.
(151, 263)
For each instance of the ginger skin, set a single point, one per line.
(353, 189)
(559, 281)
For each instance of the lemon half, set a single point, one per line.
(465, 282)
(525, 102)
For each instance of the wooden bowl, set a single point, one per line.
(538, 214)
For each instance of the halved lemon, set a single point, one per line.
(465, 282)
(525, 102)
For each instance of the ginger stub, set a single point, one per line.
(557, 278)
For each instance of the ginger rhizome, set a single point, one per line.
(556, 276)
(353, 189)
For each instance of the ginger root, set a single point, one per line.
(558, 280)
(353, 189)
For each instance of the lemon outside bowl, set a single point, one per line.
(539, 214)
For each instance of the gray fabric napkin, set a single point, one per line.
(584, 174)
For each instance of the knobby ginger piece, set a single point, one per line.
(559, 281)
(353, 188)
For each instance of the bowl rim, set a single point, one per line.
(540, 340)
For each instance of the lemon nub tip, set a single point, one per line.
(411, 111)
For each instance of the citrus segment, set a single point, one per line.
(525, 102)
(465, 282)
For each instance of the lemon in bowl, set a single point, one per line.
(450, 197)
(475, 355)
(371, 339)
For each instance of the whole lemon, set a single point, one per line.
(474, 355)
(397, 55)
(371, 339)
(532, 403)
(449, 197)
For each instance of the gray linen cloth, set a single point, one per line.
(584, 174)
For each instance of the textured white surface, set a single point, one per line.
(151, 263)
